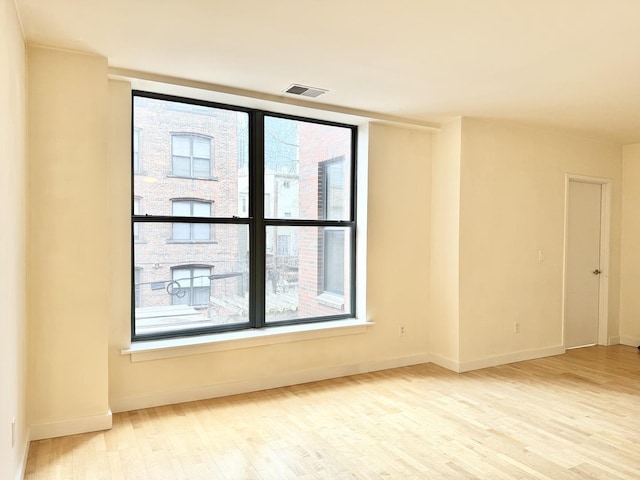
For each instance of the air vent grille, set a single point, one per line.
(304, 91)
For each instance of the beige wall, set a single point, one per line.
(397, 278)
(67, 240)
(465, 253)
(630, 261)
(13, 165)
(512, 205)
(445, 233)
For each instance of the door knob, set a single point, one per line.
(596, 272)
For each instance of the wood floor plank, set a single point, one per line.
(572, 416)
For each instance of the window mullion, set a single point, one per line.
(257, 226)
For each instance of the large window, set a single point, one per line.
(284, 218)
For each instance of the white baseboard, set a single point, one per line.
(25, 456)
(71, 427)
(125, 404)
(511, 358)
(630, 341)
(445, 363)
(494, 361)
(614, 341)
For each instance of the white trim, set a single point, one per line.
(25, 456)
(629, 341)
(169, 397)
(180, 347)
(511, 358)
(72, 426)
(445, 363)
(605, 233)
(614, 341)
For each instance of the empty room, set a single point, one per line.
(320, 239)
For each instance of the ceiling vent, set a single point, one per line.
(301, 90)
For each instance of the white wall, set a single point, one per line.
(445, 245)
(630, 260)
(13, 165)
(68, 387)
(512, 205)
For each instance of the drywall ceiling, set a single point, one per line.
(566, 63)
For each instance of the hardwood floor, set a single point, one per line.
(573, 416)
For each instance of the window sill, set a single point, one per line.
(169, 240)
(179, 347)
(331, 300)
(208, 179)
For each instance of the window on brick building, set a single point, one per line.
(284, 219)
(190, 285)
(191, 232)
(191, 156)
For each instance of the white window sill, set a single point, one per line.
(179, 347)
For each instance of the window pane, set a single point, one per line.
(180, 165)
(181, 231)
(306, 271)
(201, 168)
(201, 209)
(201, 231)
(333, 259)
(201, 147)
(191, 286)
(307, 169)
(181, 208)
(181, 146)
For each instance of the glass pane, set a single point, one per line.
(166, 158)
(189, 286)
(181, 167)
(306, 271)
(307, 170)
(181, 231)
(182, 208)
(202, 147)
(333, 261)
(201, 209)
(201, 231)
(181, 146)
(201, 168)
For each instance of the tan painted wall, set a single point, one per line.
(397, 278)
(13, 165)
(68, 246)
(445, 230)
(630, 263)
(512, 205)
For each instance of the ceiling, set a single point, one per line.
(572, 64)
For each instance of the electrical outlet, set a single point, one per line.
(402, 331)
(13, 432)
(516, 327)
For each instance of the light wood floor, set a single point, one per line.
(573, 416)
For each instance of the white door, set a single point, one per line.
(582, 264)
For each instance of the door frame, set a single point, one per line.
(605, 224)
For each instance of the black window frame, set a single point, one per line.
(256, 221)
